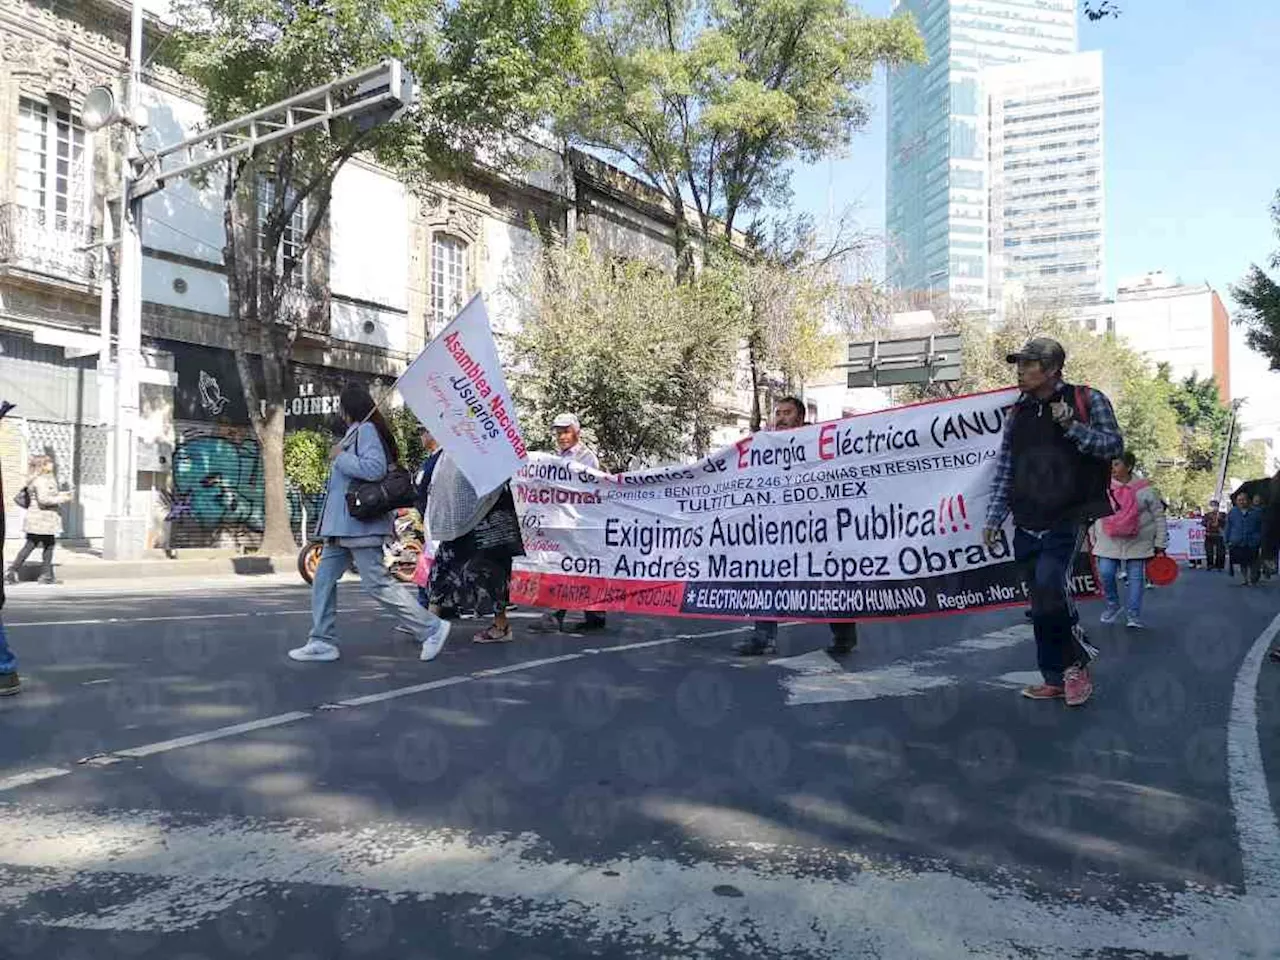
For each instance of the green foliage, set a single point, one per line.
(306, 460)
(1258, 297)
(638, 357)
(408, 433)
(711, 101)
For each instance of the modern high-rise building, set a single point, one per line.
(938, 204)
(1047, 199)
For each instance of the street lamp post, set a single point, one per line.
(370, 97)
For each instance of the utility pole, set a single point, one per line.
(124, 531)
(368, 98)
(1226, 450)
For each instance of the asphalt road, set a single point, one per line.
(172, 786)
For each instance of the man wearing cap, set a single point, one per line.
(568, 435)
(1053, 475)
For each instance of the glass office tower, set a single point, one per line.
(939, 178)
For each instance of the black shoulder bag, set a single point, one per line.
(370, 499)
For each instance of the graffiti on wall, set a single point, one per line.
(217, 496)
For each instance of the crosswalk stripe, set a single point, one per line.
(156, 873)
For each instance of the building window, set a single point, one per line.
(53, 167)
(290, 253)
(448, 277)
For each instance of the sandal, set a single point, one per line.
(492, 634)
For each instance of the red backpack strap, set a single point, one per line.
(1084, 402)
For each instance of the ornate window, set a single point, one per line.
(448, 277)
(53, 167)
(290, 251)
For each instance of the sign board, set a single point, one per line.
(888, 363)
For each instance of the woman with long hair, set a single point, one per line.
(363, 454)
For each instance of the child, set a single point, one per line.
(1244, 538)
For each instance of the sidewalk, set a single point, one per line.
(74, 565)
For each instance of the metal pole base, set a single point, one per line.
(123, 538)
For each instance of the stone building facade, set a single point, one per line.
(386, 271)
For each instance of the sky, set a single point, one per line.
(1192, 154)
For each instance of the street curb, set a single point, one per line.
(247, 567)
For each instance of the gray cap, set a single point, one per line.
(566, 420)
(1044, 349)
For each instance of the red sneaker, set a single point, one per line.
(1042, 691)
(1077, 686)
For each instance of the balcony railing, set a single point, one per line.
(306, 307)
(51, 245)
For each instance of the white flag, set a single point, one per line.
(456, 389)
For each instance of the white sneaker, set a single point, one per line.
(315, 650)
(434, 642)
(1134, 622)
(1110, 615)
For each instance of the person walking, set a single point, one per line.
(789, 413)
(479, 537)
(1135, 532)
(10, 682)
(1215, 547)
(1244, 539)
(567, 431)
(43, 522)
(363, 454)
(1052, 474)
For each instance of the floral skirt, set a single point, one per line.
(473, 572)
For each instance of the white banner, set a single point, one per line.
(879, 515)
(1186, 539)
(456, 389)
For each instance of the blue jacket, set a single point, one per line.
(1244, 527)
(362, 458)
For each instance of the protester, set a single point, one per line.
(363, 454)
(1265, 558)
(1052, 473)
(1135, 532)
(10, 682)
(1215, 550)
(789, 413)
(43, 522)
(1244, 539)
(569, 444)
(479, 537)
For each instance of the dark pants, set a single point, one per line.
(36, 540)
(844, 636)
(1045, 561)
(1215, 553)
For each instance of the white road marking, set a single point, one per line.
(526, 665)
(221, 733)
(160, 875)
(817, 678)
(1017, 680)
(1251, 803)
(165, 619)
(15, 780)
(404, 691)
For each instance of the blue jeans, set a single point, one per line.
(1045, 560)
(393, 596)
(8, 662)
(1136, 571)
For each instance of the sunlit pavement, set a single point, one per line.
(171, 785)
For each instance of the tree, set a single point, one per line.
(710, 101)
(1100, 9)
(1258, 297)
(638, 357)
(486, 69)
(789, 296)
